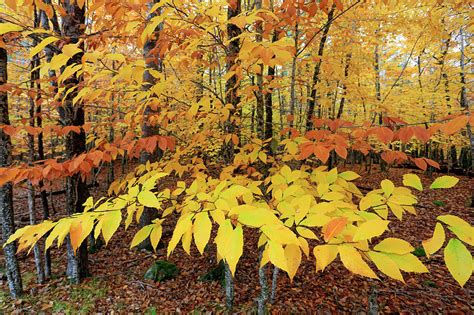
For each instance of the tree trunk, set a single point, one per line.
(73, 24)
(232, 84)
(34, 77)
(293, 80)
(153, 62)
(317, 69)
(6, 191)
(344, 86)
(259, 93)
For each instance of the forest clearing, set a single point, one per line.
(236, 156)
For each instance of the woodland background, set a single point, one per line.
(97, 96)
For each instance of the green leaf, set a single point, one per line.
(412, 180)
(444, 182)
(458, 259)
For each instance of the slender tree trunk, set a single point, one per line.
(317, 69)
(344, 86)
(293, 79)
(73, 115)
(34, 77)
(378, 92)
(231, 86)
(260, 106)
(6, 191)
(44, 20)
(229, 287)
(465, 103)
(262, 278)
(275, 273)
(153, 62)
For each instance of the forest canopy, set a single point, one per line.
(234, 129)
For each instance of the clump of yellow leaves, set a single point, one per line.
(295, 208)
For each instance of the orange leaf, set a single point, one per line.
(420, 162)
(322, 153)
(334, 227)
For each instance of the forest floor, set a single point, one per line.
(117, 284)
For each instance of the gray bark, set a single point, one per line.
(276, 270)
(152, 61)
(259, 93)
(6, 191)
(263, 298)
(229, 287)
(73, 115)
(34, 76)
(231, 85)
(317, 69)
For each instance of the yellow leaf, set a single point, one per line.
(324, 254)
(148, 199)
(222, 238)
(304, 246)
(412, 180)
(155, 235)
(236, 248)
(387, 187)
(371, 200)
(70, 50)
(370, 229)
(202, 231)
(306, 233)
(315, 220)
(110, 223)
(141, 235)
(353, 261)
(277, 255)
(464, 232)
(458, 259)
(394, 246)
(433, 244)
(349, 175)
(45, 42)
(444, 182)
(257, 217)
(452, 220)
(333, 195)
(386, 265)
(58, 61)
(280, 234)
(9, 27)
(408, 263)
(62, 228)
(293, 259)
(184, 224)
